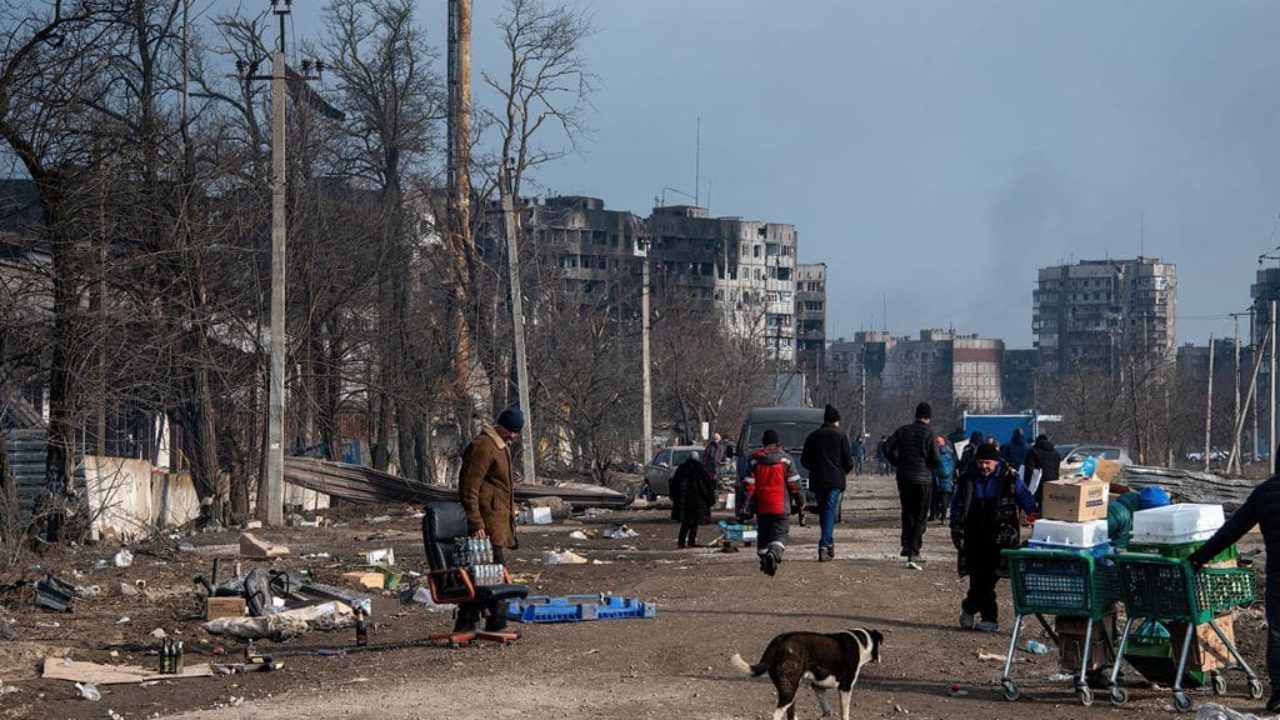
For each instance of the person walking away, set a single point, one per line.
(944, 481)
(1042, 465)
(915, 458)
(859, 453)
(773, 488)
(486, 489)
(1261, 509)
(1015, 453)
(697, 496)
(984, 521)
(882, 462)
(969, 456)
(827, 458)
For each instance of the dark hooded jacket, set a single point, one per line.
(1045, 458)
(1015, 453)
(696, 492)
(827, 458)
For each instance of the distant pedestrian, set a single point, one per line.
(773, 489)
(859, 453)
(882, 462)
(969, 455)
(944, 481)
(914, 455)
(1043, 465)
(697, 494)
(827, 458)
(984, 521)
(713, 454)
(1015, 453)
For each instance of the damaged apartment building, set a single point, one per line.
(948, 369)
(743, 271)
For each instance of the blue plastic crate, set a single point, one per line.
(578, 608)
(738, 532)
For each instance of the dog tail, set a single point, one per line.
(745, 668)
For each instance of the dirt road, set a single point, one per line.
(711, 606)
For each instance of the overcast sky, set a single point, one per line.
(935, 154)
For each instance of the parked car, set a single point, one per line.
(657, 474)
(1071, 461)
(1215, 455)
(793, 425)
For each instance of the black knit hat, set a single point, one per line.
(924, 411)
(831, 415)
(512, 419)
(987, 451)
(770, 437)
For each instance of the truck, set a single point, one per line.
(1002, 426)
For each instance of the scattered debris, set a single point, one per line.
(422, 596)
(253, 525)
(619, 532)
(901, 710)
(1061, 677)
(123, 621)
(1213, 711)
(159, 634)
(88, 591)
(92, 674)
(957, 691)
(210, 550)
(54, 594)
(279, 626)
(380, 519)
(8, 689)
(598, 561)
(364, 578)
(124, 588)
(253, 547)
(6, 630)
(317, 556)
(577, 535)
(89, 691)
(562, 557)
(385, 556)
(983, 655)
(122, 559)
(536, 516)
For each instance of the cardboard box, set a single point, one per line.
(361, 579)
(1107, 470)
(218, 607)
(1075, 501)
(1208, 651)
(1071, 648)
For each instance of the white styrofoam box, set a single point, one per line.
(540, 515)
(1176, 524)
(1075, 535)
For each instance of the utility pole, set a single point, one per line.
(1257, 349)
(517, 317)
(1271, 385)
(862, 391)
(1208, 410)
(647, 441)
(1233, 462)
(271, 493)
(459, 174)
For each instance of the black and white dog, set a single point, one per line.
(826, 661)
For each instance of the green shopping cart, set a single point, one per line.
(1063, 583)
(1169, 590)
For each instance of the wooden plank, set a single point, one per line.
(99, 674)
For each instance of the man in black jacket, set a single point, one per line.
(913, 454)
(1043, 458)
(827, 457)
(1262, 508)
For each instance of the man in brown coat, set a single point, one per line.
(486, 488)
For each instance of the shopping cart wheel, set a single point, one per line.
(1255, 688)
(1181, 701)
(1085, 694)
(1118, 695)
(1011, 691)
(1218, 683)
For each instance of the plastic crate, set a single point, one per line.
(1062, 535)
(738, 532)
(1176, 524)
(1182, 551)
(1061, 582)
(578, 608)
(1167, 589)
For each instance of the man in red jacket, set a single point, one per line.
(772, 490)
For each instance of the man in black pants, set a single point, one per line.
(984, 521)
(915, 457)
(1262, 508)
